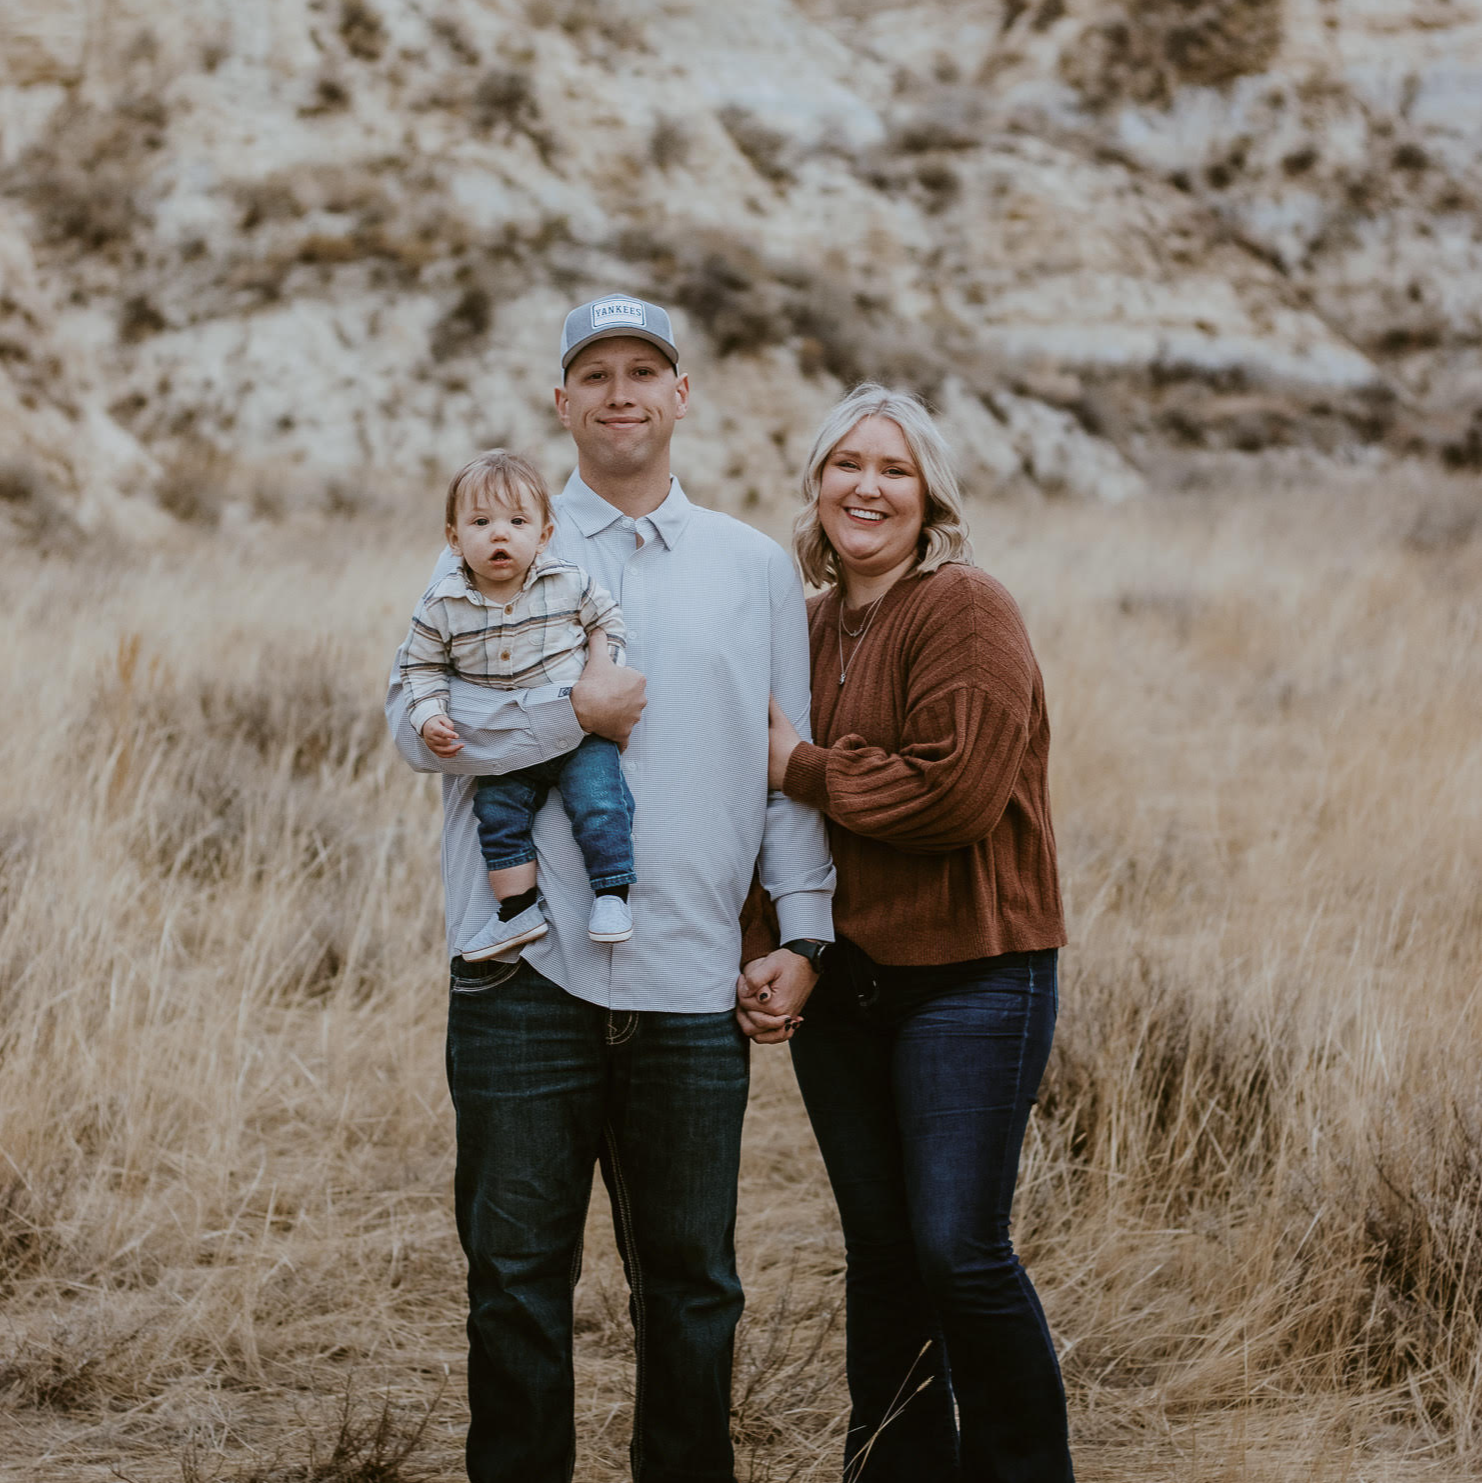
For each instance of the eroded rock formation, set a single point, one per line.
(272, 250)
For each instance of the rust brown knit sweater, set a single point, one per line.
(930, 766)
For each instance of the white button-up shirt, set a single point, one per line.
(716, 623)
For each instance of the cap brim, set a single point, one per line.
(627, 332)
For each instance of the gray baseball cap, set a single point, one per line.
(616, 314)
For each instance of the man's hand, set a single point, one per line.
(442, 740)
(608, 699)
(782, 738)
(770, 992)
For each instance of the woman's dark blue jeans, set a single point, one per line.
(546, 1087)
(594, 794)
(919, 1082)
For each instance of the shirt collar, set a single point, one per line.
(591, 513)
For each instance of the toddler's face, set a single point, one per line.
(498, 539)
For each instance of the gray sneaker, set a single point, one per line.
(610, 920)
(497, 936)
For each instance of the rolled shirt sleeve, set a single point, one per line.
(794, 865)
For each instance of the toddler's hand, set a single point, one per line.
(442, 740)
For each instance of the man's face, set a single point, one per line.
(620, 403)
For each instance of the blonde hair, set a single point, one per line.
(944, 531)
(499, 475)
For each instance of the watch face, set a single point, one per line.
(813, 951)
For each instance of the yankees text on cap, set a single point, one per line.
(617, 314)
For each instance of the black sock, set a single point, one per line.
(512, 906)
(621, 892)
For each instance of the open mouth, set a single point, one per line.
(858, 514)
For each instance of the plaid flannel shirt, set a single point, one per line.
(538, 637)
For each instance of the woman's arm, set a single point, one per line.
(969, 713)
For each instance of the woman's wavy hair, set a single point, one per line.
(944, 531)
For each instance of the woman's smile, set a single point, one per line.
(872, 506)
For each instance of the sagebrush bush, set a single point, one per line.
(1141, 53)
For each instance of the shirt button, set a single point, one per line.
(627, 523)
(505, 655)
(509, 607)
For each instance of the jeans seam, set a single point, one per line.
(509, 861)
(621, 1035)
(618, 878)
(457, 985)
(624, 1211)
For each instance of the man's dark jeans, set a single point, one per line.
(545, 1086)
(919, 1083)
(594, 794)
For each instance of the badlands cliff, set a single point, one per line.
(282, 251)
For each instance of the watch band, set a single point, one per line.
(806, 947)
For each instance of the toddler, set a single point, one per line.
(513, 619)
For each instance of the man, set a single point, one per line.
(626, 1055)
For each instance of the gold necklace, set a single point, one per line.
(854, 633)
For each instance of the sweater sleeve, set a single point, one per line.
(969, 699)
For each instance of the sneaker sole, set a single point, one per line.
(611, 936)
(503, 947)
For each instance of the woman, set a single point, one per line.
(930, 1026)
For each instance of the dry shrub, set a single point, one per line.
(465, 324)
(1142, 53)
(768, 151)
(330, 96)
(362, 30)
(505, 99)
(669, 144)
(33, 509)
(365, 1448)
(953, 119)
(593, 24)
(86, 179)
(746, 302)
(194, 482)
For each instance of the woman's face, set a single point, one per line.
(872, 501)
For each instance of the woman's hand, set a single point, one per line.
(782, 738)
(770, 992)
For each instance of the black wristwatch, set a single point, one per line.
(806, 947)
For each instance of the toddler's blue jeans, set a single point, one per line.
(595, 796)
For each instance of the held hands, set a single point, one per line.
(442, 740)
(608, 700)
(770, 992)
(782, 738)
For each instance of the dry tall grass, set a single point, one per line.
(1250, 1198)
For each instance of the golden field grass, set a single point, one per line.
(1250, 1194)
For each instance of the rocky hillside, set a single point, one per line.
(279, 251)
